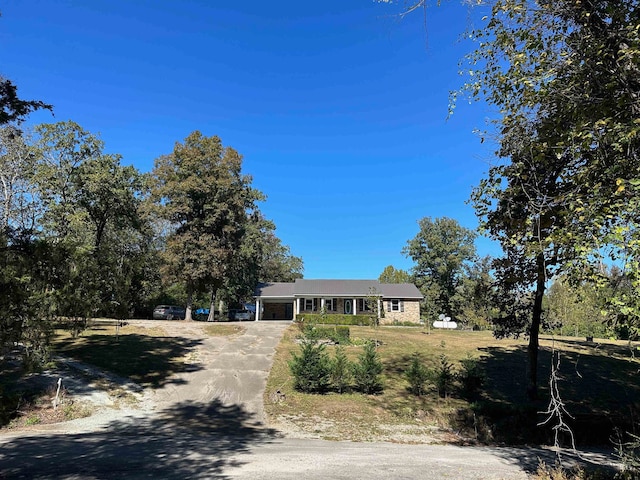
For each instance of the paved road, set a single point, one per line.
(208, 423)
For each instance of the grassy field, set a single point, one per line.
(598, 384)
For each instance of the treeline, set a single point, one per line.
(469, 289)
(84, 236)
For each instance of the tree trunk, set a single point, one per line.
(187, 315)
(212, 306)
(534, 332)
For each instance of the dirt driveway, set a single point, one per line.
(209, 423)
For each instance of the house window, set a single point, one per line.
(330, 304)
(395, 305)
(363, 305)
(309, 304)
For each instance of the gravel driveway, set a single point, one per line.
(209, 423)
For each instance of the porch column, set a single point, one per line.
(297, 301)
(378, 308)
(257, 309)
(354, 306)
(322, 305)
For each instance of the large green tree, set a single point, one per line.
(262, 257)
(478, 294)
(565, 79)
(91, 216)
(72, 241)
(200, 189)
(441, 250)
(565, 76)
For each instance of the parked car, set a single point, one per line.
(239, 315)
(168, 312)
(203, 314)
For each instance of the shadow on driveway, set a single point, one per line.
(184, 441)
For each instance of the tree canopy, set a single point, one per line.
(564, 78)
(14, 109)
(200, 189)
(564, 75)
(390, 274)
(441, 251)
(217, 240)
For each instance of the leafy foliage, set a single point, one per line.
(262, 257)
(200, 190)
(335, 319)
(471, 377)
(390, 274)
(563, 199)
(72, 237)
(478, 294)
(14, 109)
(441, 251)
(338, 333)
(443, 376)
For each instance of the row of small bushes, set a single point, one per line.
(469, 376)
(315, 372)
(335, 319)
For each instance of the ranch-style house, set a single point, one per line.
(391, 302)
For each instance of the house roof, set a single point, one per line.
(337, 288)
(275, 290)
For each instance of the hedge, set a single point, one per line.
(339, 333)
(334, 319)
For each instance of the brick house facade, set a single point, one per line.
(390, 302)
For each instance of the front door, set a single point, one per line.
(348, 307)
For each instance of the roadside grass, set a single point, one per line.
(598, 385)
(145, 355)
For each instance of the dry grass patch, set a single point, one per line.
(603, 372)
(224, 330)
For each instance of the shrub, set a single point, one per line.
(337, 334)
(334, 319)
(471, 377)
(443, 376)
(311, 370)
(341, 367)
(417, 375)
(367, 371)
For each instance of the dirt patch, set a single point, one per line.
(49, 408)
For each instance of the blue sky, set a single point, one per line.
(338, 107)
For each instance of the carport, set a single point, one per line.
(274, 301)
